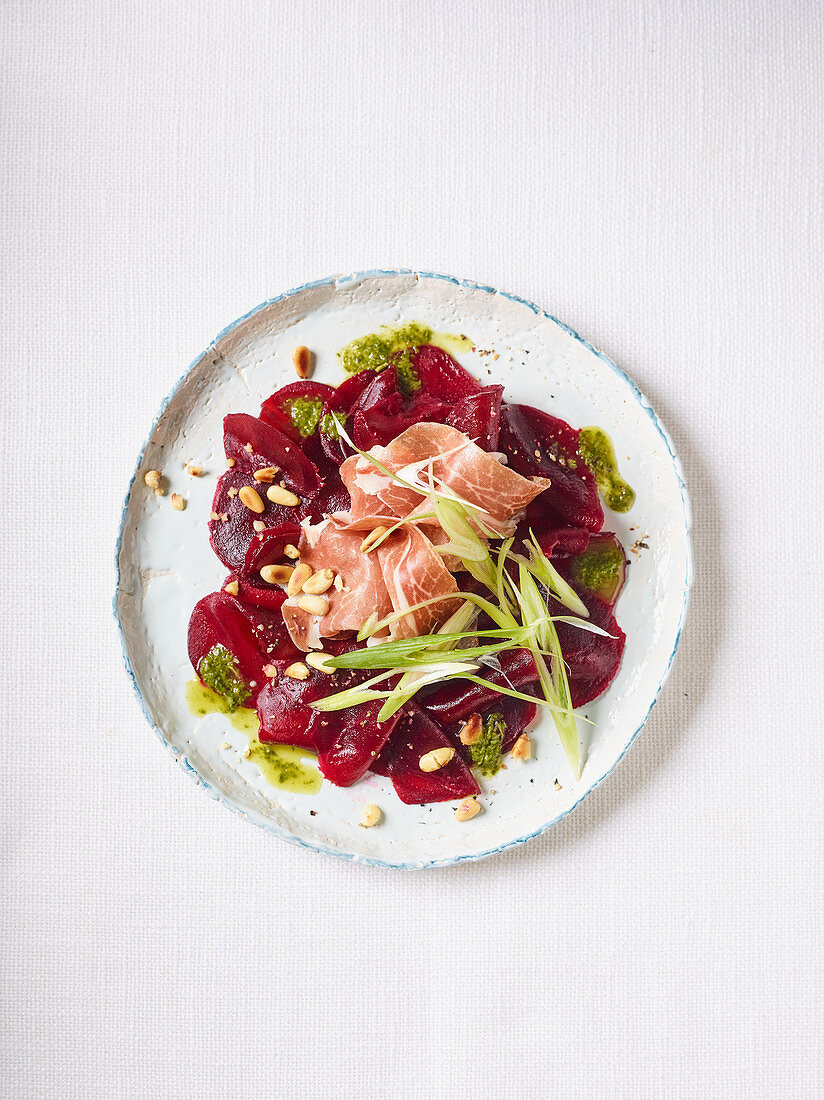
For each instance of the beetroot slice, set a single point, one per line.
(536, 443)
(253, 595)
(478, 416)
(270, 447)
(266, 547)
(221, 619)
(340, 404)
(276, 410)
(416, 734)
(383, 411)
(592, 660)
(232, 537)
(600, 546)
(456, 701)
(346, 741)
(440, 376)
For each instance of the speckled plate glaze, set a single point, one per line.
(165, 563)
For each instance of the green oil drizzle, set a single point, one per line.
(280, 765)
(372, 351)
(596, 449)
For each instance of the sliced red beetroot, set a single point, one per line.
(456, 701)
(231, 537)
(440, 376)
(383, 410)
(339, 404)
(266, 547)
(270, 447)
(536, 443)
(346, 741)
(415, 735)
(592, 660)
(281, 411)
(253, 595)
(221, 619)
(554, 536)
(478, 415)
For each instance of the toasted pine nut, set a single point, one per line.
(195, 471)
(247, 752)
(215, 516)
(250, 498)
(276, 574)
(300, 574)
(232, 492)
(248, 447)
(302, 361)
(372, 538)
(267, 474)
(522, 749)
(153, 478)
(371, 815)
(315, 605)
(438, 758)
(278, 495)
(297, 671)
(178, 502)
(270, 671)
(471, 730)
(318, 660)
(467, 809)
(231, 588)
(290, 551)
(339, 582)
(229, 463)
(319, 582)
(259, 525)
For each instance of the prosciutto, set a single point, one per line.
(404, 571)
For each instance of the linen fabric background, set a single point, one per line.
(650, 173)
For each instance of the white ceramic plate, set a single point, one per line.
(165, 563)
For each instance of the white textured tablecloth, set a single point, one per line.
(651, 174)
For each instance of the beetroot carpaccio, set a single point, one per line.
(458, 536)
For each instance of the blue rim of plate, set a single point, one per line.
(342, 280)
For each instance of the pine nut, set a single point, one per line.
(229, 463)
(435, 760)
(522, 749)
(297, 671)
(278, 495)
(302, 361)
(300, 574)
(319, 582)
(270, 671)
(248, 447)
(467, 809)
(373, 536)
(178, 503)
(153, 478)
(231, 588)
(471, 730)
(318, 660)
(250, 498)
(315, 605)
(195, 471)
(259, 525)
(371, 815)
(276, 574)
(339, 585)
(290, 551)
(267, 474)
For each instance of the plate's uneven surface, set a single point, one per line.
(165, 563)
